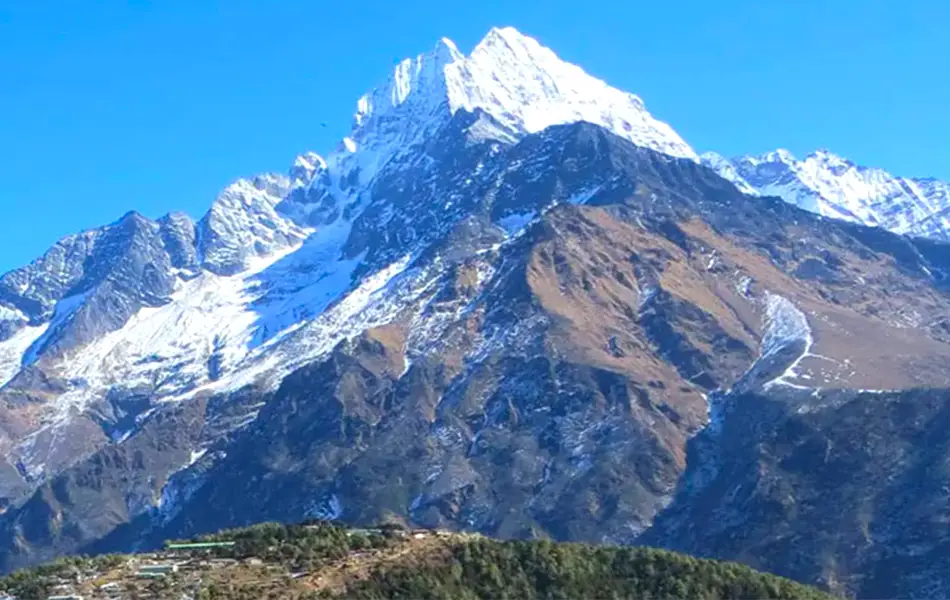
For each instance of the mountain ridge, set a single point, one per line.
(836, 187)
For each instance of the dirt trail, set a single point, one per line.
(359, 565)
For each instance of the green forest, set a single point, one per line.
(485, 568)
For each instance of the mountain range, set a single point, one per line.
(510, 301)
(835, 187)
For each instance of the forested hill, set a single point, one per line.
(322, 560)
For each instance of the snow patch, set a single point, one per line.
(514, 224)
(744, 285)
(14, 349)
(196, 455)
(786, 327)
(584, 196)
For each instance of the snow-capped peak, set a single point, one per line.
(524, 86)
(831, 185)
(528, 88)
(826, 159)
(781, 155)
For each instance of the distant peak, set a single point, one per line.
(780, 155)
(826, 155)
(726, 169)
(713, 158)
(821, 155)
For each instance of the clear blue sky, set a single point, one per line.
(113, 105)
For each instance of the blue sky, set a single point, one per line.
(112, 105)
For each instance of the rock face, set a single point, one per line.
(477, 316)
(243, 224)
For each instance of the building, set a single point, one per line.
(199, 545)
(366, 532)
(157, 570)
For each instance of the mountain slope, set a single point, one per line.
(835, 187)
(760, 487)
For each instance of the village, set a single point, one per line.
(188, 569)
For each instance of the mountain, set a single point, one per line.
(110, 322)
(835, 187)
(509, 302)
(321, 560)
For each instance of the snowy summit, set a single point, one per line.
(513, 78)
